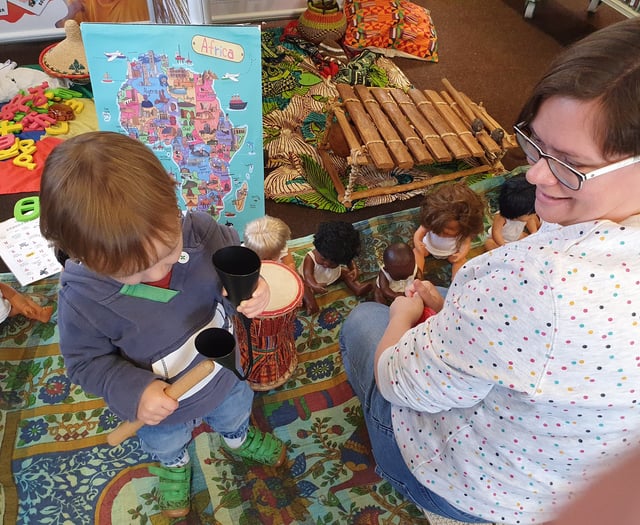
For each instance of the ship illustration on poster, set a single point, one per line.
(236, 103)
(182, 90)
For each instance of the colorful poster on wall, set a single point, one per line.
(191, 94)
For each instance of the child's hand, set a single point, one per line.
(256, 304)
(155, 405)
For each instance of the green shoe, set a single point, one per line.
(263, 448)
(174, 489)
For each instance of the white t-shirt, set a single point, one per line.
(526, 384)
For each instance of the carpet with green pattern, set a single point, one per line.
(56, 467)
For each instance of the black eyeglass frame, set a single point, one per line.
(524, 140)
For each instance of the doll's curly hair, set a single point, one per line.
(453, 202)
(337, 241)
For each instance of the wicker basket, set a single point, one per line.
(66, 59)
(322, 20)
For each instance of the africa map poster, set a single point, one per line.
(193, 95)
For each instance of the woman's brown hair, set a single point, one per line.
(586, 71)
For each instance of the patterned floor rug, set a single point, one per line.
(56, 467)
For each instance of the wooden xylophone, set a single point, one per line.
(391, 128)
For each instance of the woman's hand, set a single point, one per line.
(429, 294)
(408, 309)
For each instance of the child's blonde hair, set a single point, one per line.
(267, 236)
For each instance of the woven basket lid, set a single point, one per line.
(66, 59)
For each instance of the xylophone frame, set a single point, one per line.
(391, 128)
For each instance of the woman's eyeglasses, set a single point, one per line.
(567, 175)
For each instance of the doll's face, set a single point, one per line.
(324, 262)
(451, 229)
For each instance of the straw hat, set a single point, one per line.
(66, 59)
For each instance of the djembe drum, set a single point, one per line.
(272, 333)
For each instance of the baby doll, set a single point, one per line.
(450, 216)
(14, 303)
(336, 244)
(516, 217)
(399, 269)
(268, 237)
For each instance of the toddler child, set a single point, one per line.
(516, 217)
(336, 244)
(138, 287)
(450, 216)
(398, 271)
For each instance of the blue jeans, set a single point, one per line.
(167, 443)
(359, 338)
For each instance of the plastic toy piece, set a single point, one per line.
(25, 160)
(27, 146)
(66, 94)
(8, 153)
(15, 105)
(27, 209)
(76, 105)
(60, 128)
(41, 109)
(38, 97)
(62, 111)
(8, 128)
(36, 121)
(7, 141)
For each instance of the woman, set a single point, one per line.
(506, 403)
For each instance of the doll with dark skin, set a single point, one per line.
(516, 217)
(15, 303)
(336, 244)
(398, 271)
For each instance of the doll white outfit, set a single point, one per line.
(400, 285)
(512, 229)
(321, 274)
(440, 247)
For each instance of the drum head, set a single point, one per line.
(285, 285)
